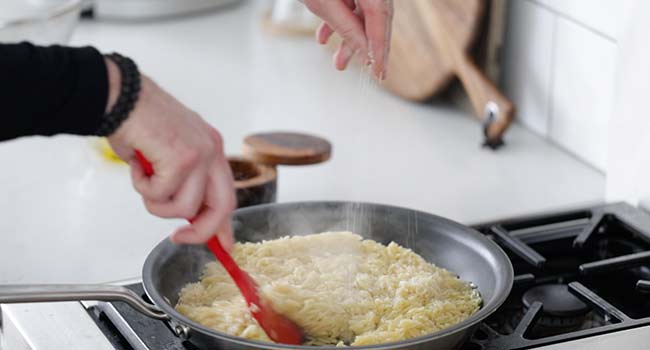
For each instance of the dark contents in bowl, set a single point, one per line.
(243, 170)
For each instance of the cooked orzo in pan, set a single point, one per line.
(340, 288)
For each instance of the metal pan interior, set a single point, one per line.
(441, 241)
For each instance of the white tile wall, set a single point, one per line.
(582, 91)
(628, 163)
(604, 16)
(528, 64)
(560, 65)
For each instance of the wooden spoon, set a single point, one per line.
(279, 328)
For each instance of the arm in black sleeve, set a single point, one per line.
(51, 90)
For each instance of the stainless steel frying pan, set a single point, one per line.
(169, 267)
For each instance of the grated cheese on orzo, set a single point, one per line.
(340, 288)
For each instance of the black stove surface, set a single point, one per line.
(578, 273)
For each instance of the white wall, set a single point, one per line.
(560, 67)
(579, 71)
(628, 166)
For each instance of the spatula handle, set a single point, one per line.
(144, 163)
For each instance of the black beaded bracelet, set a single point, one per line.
(129, 93)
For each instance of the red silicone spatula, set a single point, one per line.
(279, 328)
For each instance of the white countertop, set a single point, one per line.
(68, 215)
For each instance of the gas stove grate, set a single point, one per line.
(580, 249)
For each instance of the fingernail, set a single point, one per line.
(371, 59)
(383, 74)
(343, 56)
(371, 53)
(347, 54)
(335, 59)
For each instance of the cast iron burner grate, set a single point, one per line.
(590, 266)
(598, 256)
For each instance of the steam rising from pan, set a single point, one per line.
(350, 216)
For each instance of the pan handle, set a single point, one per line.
(38, 293)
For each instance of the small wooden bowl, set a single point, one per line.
(255, 183)
(255, 173)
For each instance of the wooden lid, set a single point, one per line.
(286, 148)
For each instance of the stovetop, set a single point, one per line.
(579, 275)
(128, 329)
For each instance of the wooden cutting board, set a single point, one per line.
(431, 42)
(417, 69)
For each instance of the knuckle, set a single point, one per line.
(151, 208)
(202, 232)
(188, 208)
(347, 32)
(385, 12)
(138, 187)
(313, 6)
(149, 193)
(194, 208)
(185, 211)
(217, 140)
(139, 184)
(188, 158)
(161, 191)
(377, 7)
(210, 148)
(377, 10)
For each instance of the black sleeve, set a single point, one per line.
(51, 90)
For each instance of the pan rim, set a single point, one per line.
(499, 298)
